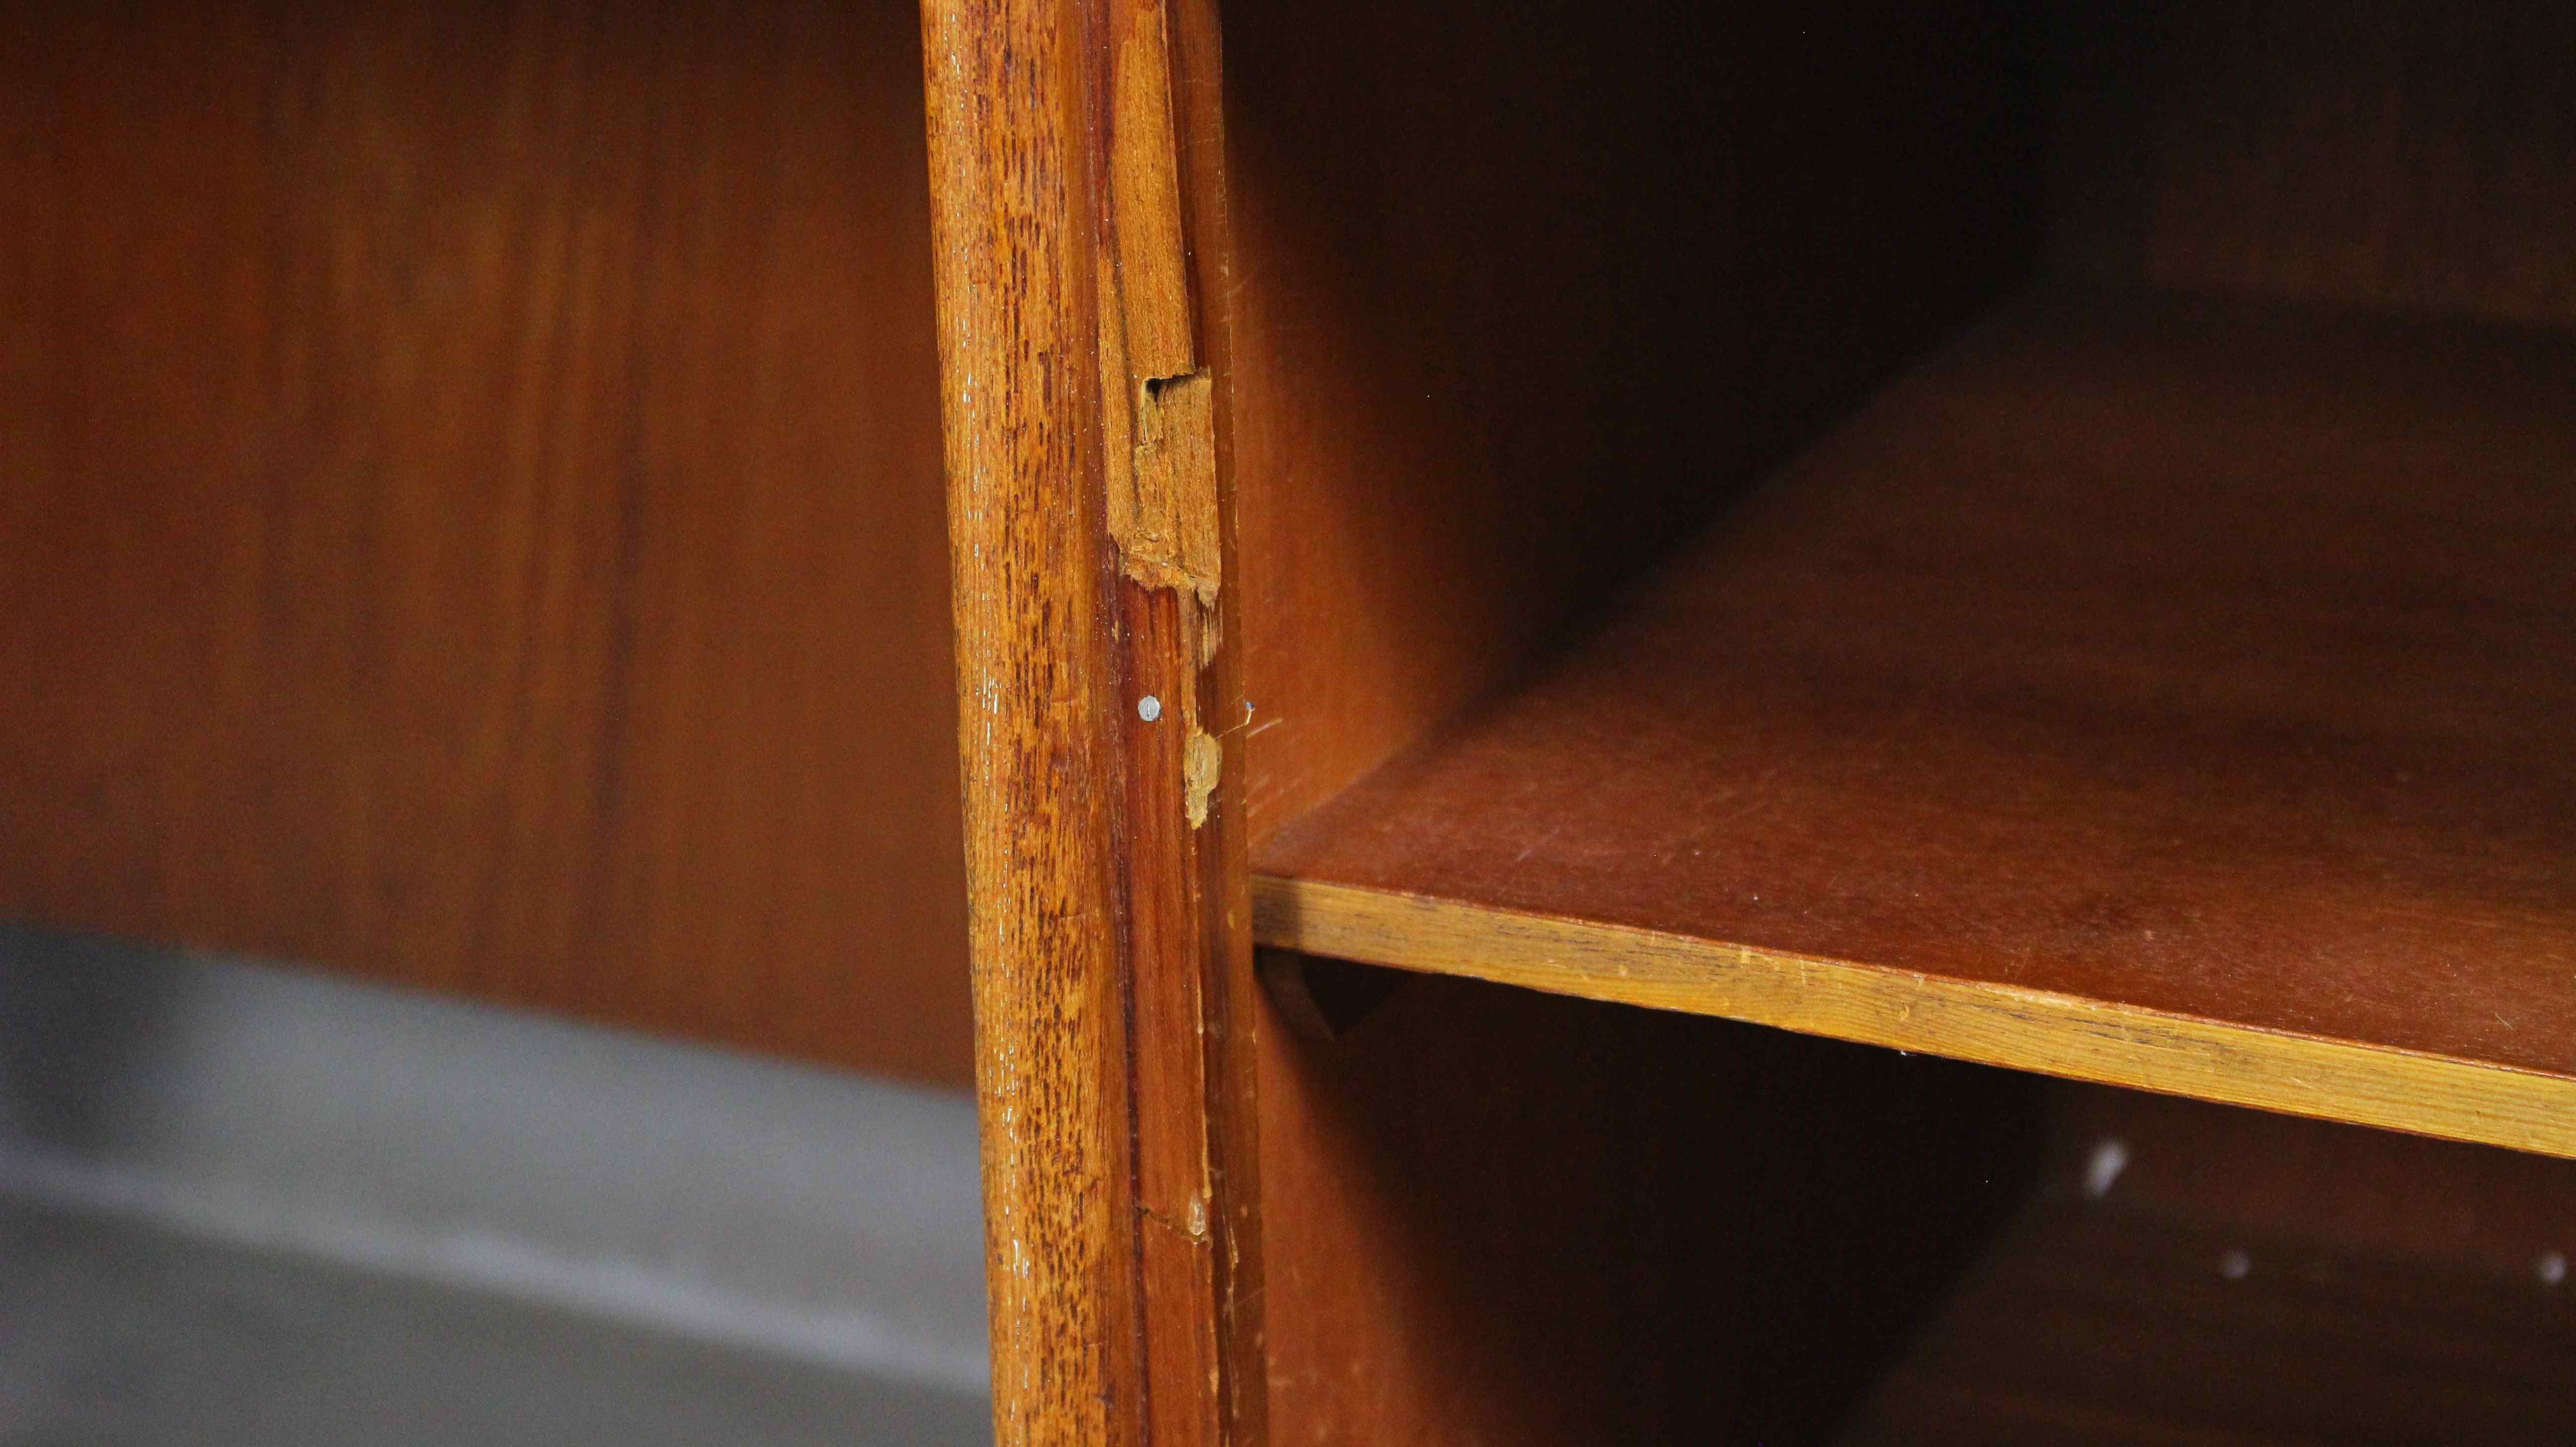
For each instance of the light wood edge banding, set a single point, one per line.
(1991, 1024)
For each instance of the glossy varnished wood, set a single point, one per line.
(1487, 308)
(1012, 233)
(1158, 183)
(2153, 691)
(1110, 955)
(470, 506)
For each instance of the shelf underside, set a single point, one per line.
(2098, 1325)
(2176, 693)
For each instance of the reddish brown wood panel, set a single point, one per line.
(1076, 211)
(2191, 657)
(2112, 1328)
(1225, 1032)
(2411, 154)
(2361, 1192)
(473, 511)
(1513, 295)
(1522, 293)
(1013, 228)
(1500, 1217)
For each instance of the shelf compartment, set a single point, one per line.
(2163, 691)
(2098, 1324)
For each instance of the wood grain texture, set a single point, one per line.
(1111, 959)
(1011, 225)
(2417, 155)
(2104, 1326)
(2047, 1032)
(472, 506)
(2145, 690)
(1228, 1249)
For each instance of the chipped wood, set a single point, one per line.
(1201, 762)
(1164, 518)
(1160, 431)
(1110, 947)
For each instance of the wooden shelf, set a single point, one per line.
(2099, 1325)
(2174, 693)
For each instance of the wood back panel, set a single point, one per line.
(472, 505)
(2367, 1192)
(1513, 297)
(1516, 298)
(1521, 294)
(1501, 1217)
(2418, 155)
(2189, 662)
(2089, 1324)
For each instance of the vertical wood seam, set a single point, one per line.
(1086, 539)
(1161, 508)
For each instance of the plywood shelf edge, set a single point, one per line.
(2022, 1029)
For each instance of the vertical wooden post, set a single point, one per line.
(1109, 917)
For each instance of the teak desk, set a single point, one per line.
(2041, 536)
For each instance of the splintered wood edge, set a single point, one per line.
(1990, 1024)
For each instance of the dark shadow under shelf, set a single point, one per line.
(2093, 1324)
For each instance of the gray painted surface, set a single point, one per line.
(526, 1200)
(114, 1334)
